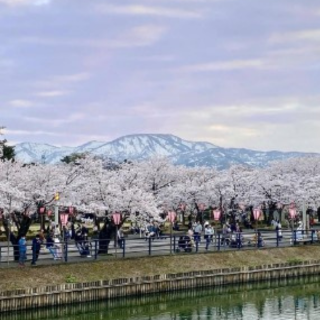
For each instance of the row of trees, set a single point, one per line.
(143, 190)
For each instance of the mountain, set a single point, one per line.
(144, 146)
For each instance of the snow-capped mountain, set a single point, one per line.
(144, 146)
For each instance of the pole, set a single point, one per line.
(56, 215)
(171, 231)
(8, 251)
(304, 217)
(116, 240)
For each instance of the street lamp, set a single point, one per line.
(116, 216)
(171, 217)
(56, 208)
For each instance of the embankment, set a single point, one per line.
(70, 283)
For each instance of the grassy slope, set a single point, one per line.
(17, 278)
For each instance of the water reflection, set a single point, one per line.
(276, 300)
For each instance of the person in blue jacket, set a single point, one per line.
(22, 251)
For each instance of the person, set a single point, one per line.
(120, 238)
(176, 225)
(57, 232)
(185, 242)
(225, 237)
(95, 239)
(36, 246)
(190, 234)
(42, 235)
(238, 236)
(50, 245)
(208, 234)
(279, 229)
(22, 251)
(257, 239)
(66, 233)
(104, 238)
(82, 242)
(151, 231)
(299, 232)
(197, 232)
(58, 248)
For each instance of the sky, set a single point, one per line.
(236, 73)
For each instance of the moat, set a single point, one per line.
(276, 300)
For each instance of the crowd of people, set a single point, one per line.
(52, 239)
(228, 233)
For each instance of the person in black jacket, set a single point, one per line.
(50, 245)
(36, 246)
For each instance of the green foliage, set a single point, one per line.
(72, 158)
(294, 261)
(8, 151)
(71, 278)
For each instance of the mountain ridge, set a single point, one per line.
(144, 146)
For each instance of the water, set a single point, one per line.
(295, 299)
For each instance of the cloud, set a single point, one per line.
(21, 103)
(52, 93)
(57, 122)
(312, 35)
(138, 36)
(224, 66)
(140, 10)
(143, 35)
(76, 77)
(61, 80)
(14, 3)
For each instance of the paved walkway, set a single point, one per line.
(139, 247)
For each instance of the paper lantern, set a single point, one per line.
(216, 215)
(116, 216)
(171, 216)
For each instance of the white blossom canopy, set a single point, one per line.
(155, 185)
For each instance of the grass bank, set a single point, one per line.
(29, 277)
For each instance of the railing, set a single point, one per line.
(132, 246)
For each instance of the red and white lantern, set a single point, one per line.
(172, 216)
(42, 210)
(71, 210)
(201, 206)
(292, 213)
(216, 214)
(182, 206)
(64, 218)
(292, 205)
(49, 213)
(256, 214)
(116, 216)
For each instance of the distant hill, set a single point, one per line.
(145, 146)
